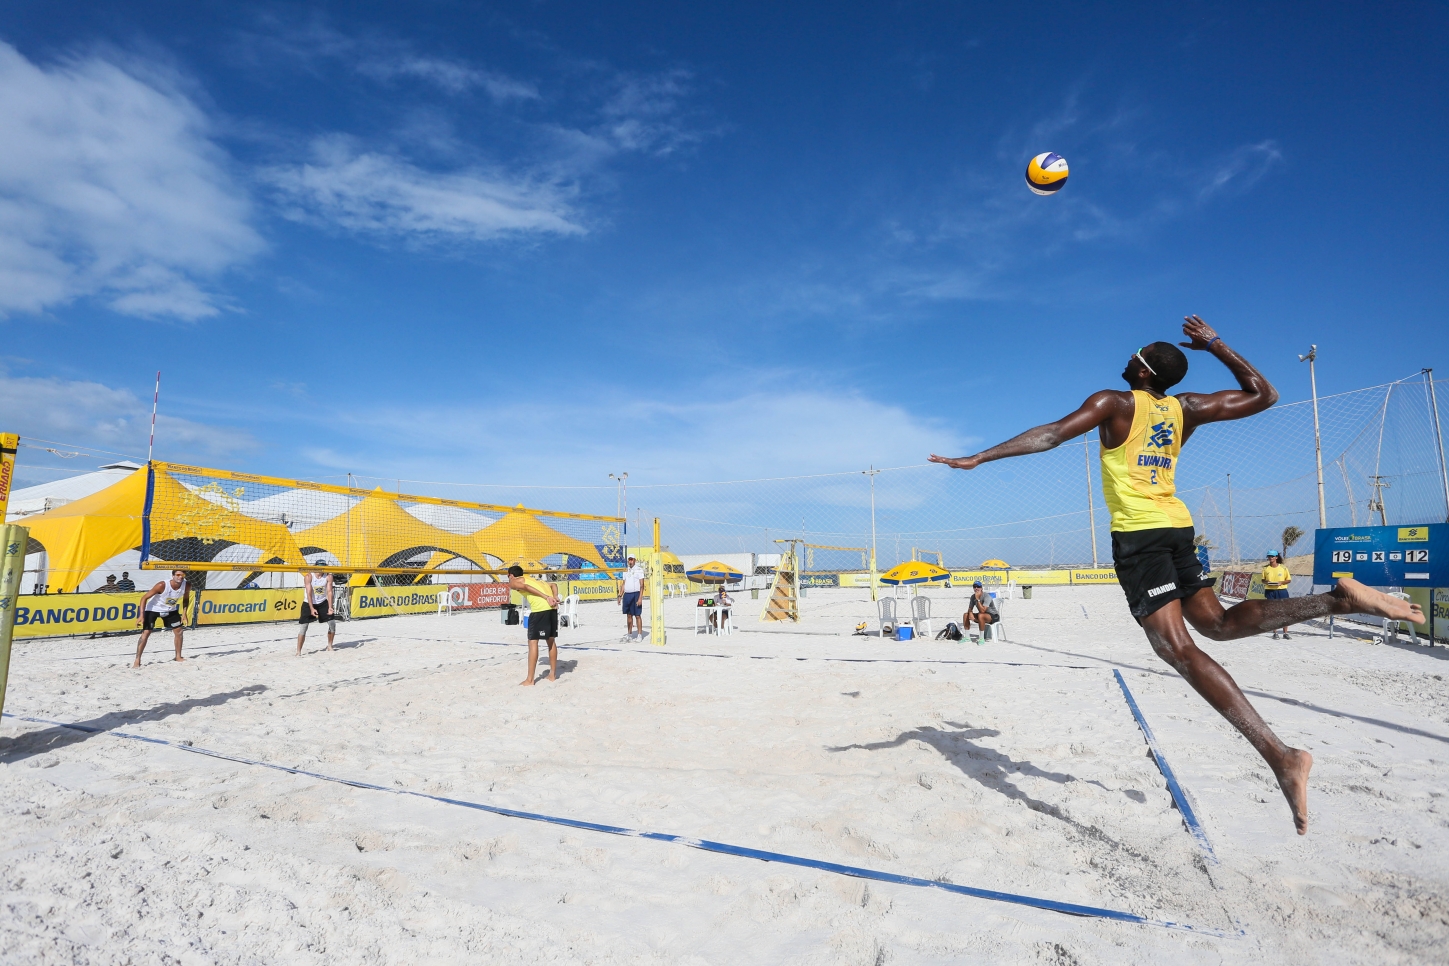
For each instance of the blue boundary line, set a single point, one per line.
(1189, 817)
(722, 848)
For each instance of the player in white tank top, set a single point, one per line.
(165, 602)
(317, 591)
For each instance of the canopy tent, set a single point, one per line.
(376, 532)
(519, 535)
(82, 535)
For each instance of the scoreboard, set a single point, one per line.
(1415, 556)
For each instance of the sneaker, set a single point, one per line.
(1286, 637)
(1275, 635)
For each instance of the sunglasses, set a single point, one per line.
(1138, 356)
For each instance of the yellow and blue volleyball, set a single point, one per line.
(1046, 173)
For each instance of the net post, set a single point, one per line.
(146, 512)
(9, 446)
(656, 591)
(13, 542)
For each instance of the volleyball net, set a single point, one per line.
(203, 519)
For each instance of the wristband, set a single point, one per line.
(1211, 341)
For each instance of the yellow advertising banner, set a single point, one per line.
(249, 606)
(988, 578)
(1098, 575)
(57, 615)
(390, 601)
(1041, 578)
(593, 589)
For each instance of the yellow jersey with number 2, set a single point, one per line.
(1138, 476)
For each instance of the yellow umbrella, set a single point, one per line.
(915, 572)
(995, 565)
(713, 572)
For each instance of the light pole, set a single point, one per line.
(1091, 510)
(1438, 439)
(1317, 439)
(621, 481)
(872, 473)
(1232, 525)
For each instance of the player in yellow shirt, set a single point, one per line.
(542, 619)
(1142, 432)
(1276, 581)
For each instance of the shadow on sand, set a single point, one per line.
(992, 770)
(57, 737)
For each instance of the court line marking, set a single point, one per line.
(722, 848)
(1189, 817)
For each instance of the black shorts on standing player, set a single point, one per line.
(315, 612)
(1156, 566)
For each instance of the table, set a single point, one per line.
(722, 622)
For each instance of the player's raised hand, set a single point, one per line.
(1198, 331)
(961, 463)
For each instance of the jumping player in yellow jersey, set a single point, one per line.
(1142, 432)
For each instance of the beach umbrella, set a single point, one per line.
(714, 572)
(915, 572)
(995, 565)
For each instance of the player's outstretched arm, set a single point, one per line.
(1254, 395)
(1099, 407)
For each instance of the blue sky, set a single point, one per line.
(537, 243)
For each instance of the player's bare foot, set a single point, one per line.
(1366, 600)
(552, 678)
(137, 663)
(1293, 779)
(527, 683)
(180, 658)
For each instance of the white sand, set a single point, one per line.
(1021, 770)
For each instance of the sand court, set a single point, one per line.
(1015, 767)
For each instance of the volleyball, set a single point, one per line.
(1046, 173)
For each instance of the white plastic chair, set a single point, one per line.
(996, 631)
(1391, 626)
(921, 616)
(568, 611)
(886, 615)
(445, 602)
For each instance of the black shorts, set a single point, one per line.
(977, 615)
(149, 619)
(542, 624)
(1156, 566)
(1280, 593)
(315, 612)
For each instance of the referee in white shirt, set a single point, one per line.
(631, 594)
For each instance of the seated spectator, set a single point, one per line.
(110, 586)
(983, 606)
(725, 602)
(126, 585)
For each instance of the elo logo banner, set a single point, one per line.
(1416, 556)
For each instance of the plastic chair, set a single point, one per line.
(886, 615)
(568, 611)
(1391, 626)
(996, 631)
(445, 602)
(921, 616)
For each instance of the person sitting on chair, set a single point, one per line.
(983, 606)
(725, 602)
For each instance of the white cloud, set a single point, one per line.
(110, 185)
(380, 194)
(92, 414)
(643, 113)
(451, 76)
(1241, 169)
(717, 437)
